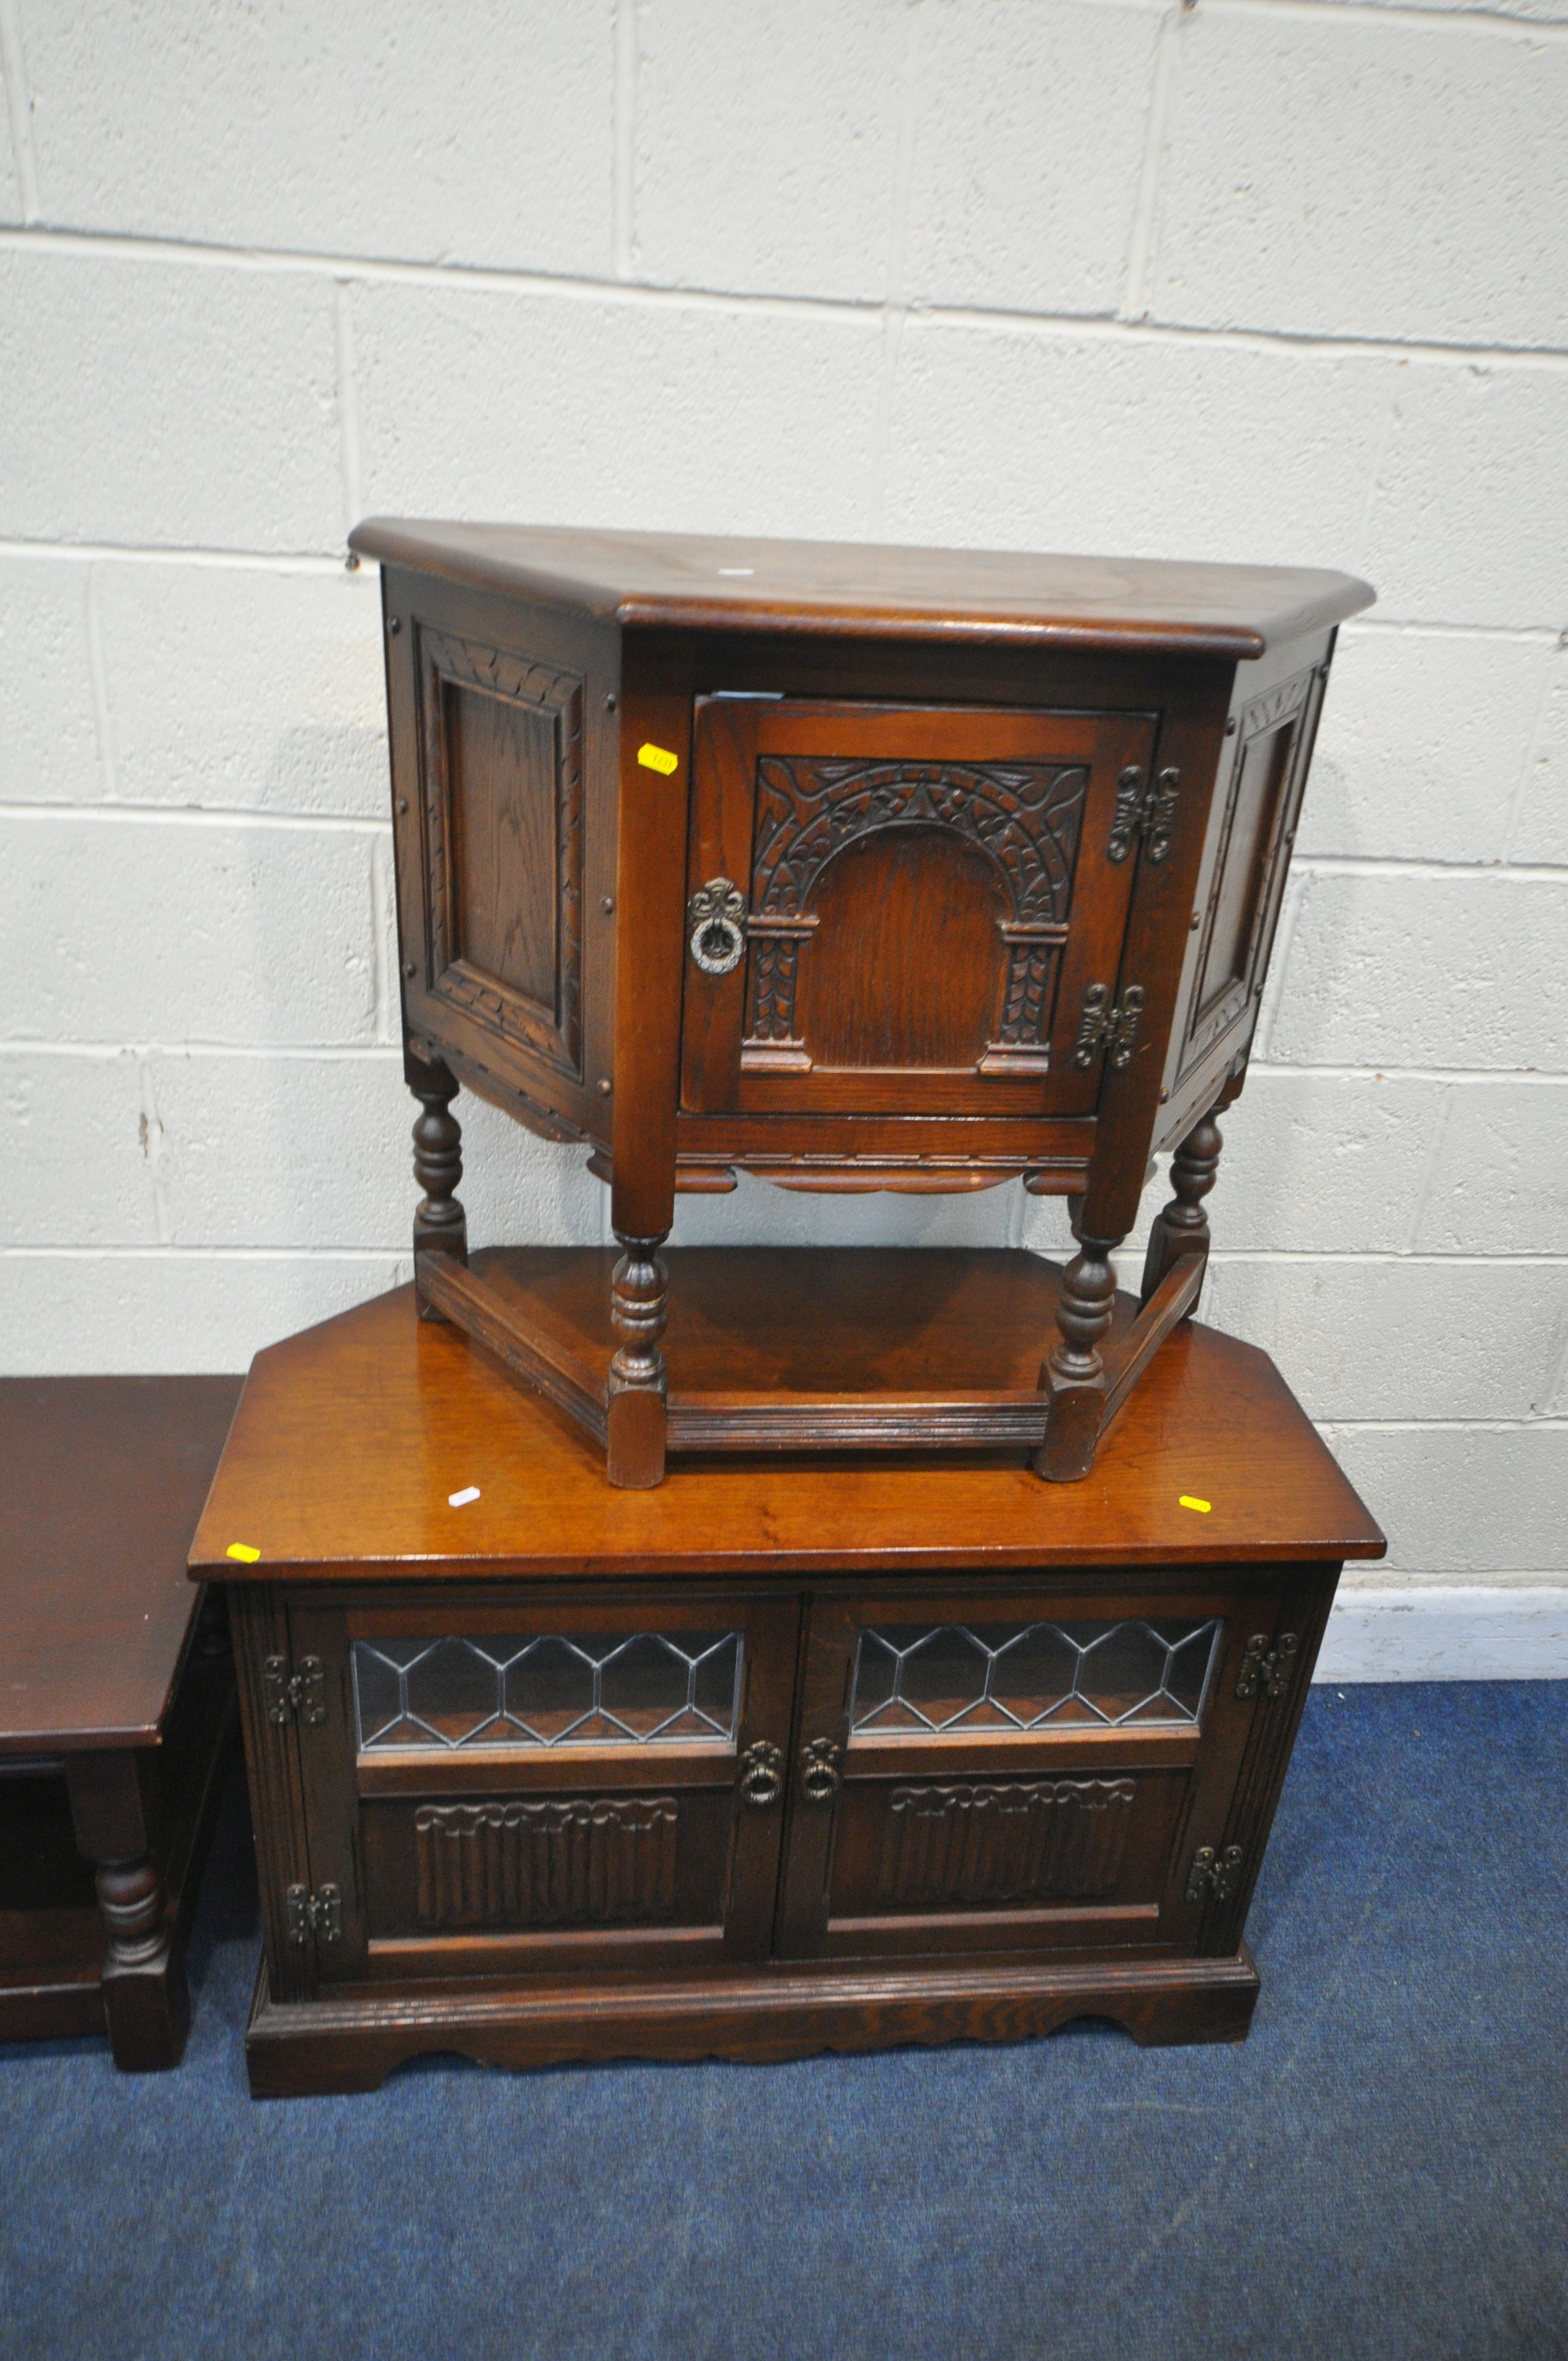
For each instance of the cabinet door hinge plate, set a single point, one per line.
(1265, 1671)
(1214, 1876)
(1145, 807)
(319, 1913)
(1108, 1025)
(294, 1696)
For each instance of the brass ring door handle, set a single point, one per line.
(761, 1774)
(819, 1771)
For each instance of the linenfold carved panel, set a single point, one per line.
(1025, 816)
(587, 1860)
(550, 1025)
(1014, 1840)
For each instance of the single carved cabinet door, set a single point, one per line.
(1013, 1772)
(903, 910)
(494, 1790)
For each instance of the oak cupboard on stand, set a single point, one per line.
(854, 868)
(773, 1758)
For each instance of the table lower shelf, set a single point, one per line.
(808, 1349)
(351, 2041)
(63, 2000)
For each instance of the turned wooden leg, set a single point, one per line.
(1183, 1227)
(146, 2000)
(1073, 1373)
(441, 1226)
(638, 1308)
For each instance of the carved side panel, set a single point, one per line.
(502, 768)
(591, 1860)
(1254, 845)
(1025, 819)
(1014, 1840)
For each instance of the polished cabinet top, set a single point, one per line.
(697, 582)
(352, 1439)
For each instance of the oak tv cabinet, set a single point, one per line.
(771, 1759)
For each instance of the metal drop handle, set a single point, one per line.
(715, 926)
(761, 1775)
(819, 1771)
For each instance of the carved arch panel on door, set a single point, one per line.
(1025, 819)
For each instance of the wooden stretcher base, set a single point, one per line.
(806, 1348)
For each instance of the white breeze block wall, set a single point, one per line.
(1262, 280)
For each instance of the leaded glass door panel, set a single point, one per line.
(994, 1771)
(900, 909)
(499, 1789)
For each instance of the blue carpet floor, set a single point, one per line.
(1379, 2171)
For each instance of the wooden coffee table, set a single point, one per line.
(116, 1702)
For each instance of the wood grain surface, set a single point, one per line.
(693, 581)
(100, 1483)
(350, 1439)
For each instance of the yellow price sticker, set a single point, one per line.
(1186, 1500)
(658, 758)
(242, 1551)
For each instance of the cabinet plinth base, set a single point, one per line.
(808, 1349)
(352, 2042)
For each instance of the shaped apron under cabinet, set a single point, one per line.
(850, 869)
(770, 1760)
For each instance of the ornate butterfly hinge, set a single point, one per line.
(1108, 1025)
(1145, 807)
(1266, 1670)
